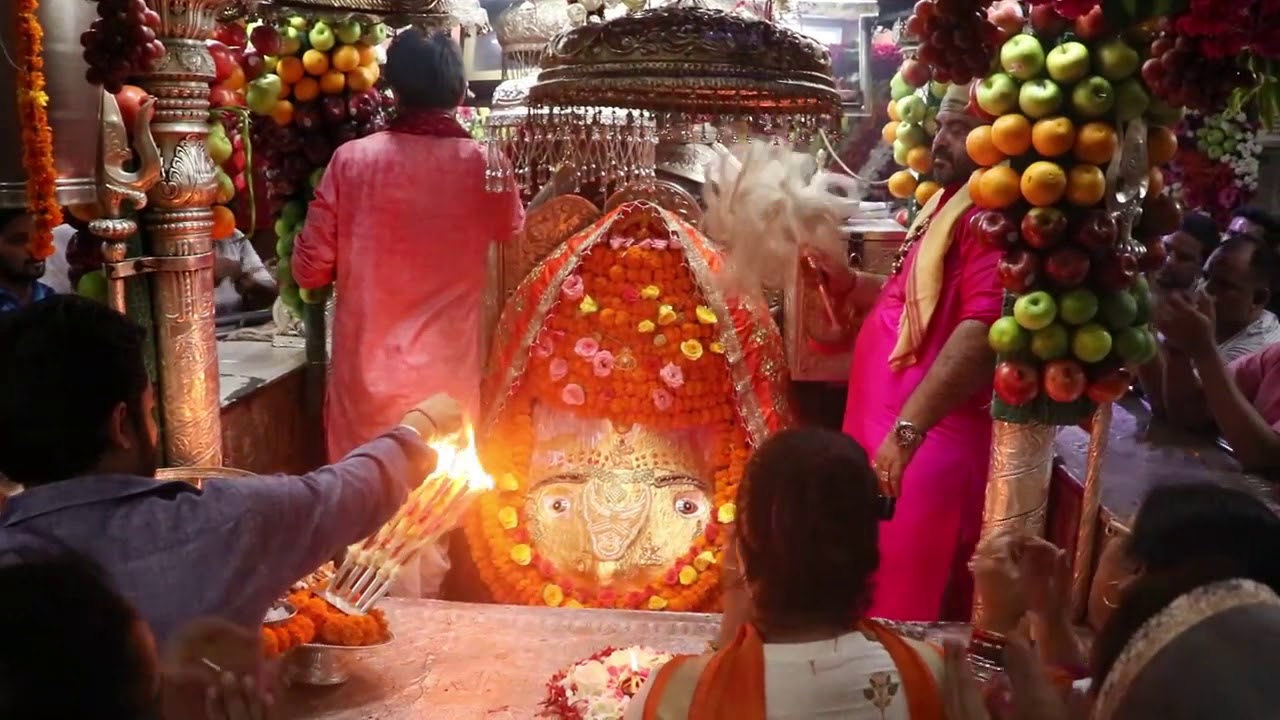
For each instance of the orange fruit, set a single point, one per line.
(975, 188)
(920, 159)
(1155, 182)
(999, 187)
(893, 111)
(224, 222)
(282, 113)
(1096, 143)
(890, 132)
(1011, 134)
(368, 56)
(925, 190)
(315, 62)
(1162, 144)
(1053, 136)
(981, 149)
(1085, 185)
(290, 69)
(333, 83)
(1043, 183)
(307, 89)
(236, 81)
(902, 184)
(362, 78)
(345, 58)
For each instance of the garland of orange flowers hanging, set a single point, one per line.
(628, 292)
(37, 136)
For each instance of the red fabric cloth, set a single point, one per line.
(402, 223)
(430, 124)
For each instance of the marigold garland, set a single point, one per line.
(37, 136)
(631, 339)
(334, 627)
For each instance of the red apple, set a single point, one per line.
(1046, 22)
(1064, 380)
(1091, 26)
(223, 63)
(902, 217)
(1161, 215)
(1110, 386)
(1097, 230)
(232, 35)
(916, 73)
(266, 40)
(1067, 266)
(994, 228)
(1044, 227)
(974, 109)
(225, 97)
(130, 99)
(1007, 16)
(254, 66)
(1016, 383)
(1114, 271)
(1018, 270)
(1155, 256)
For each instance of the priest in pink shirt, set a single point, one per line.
(920, 391)
(403, 225)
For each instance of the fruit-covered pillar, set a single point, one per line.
(177, 226)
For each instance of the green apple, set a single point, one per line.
(219, 146)
(997, 94)
(284, 269)
(283, 227)
(291, 41)
(284, 245)
(899, 87)
(93, 285)
(1141, 292)
(1068, 63)
(938, 89)
(375, 34)
(1119, 310)
(1007, 337)
(1135, 345)
(900, 150)
(316, 176)
(226, 188)
(297, 22)
(263, 94)
(1022, 56)
(1093, 97)
(1091, 343)
(293, 211)
(912, 109)
(269, 63)
(322, 37)
(1050, 343)
(349, 32)
(1035, 311)
(1077, 307)
(1039, 98)
(1131, 100)
(910, 134)
(1115, 60)
(1162, 113)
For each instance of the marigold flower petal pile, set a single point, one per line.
(37, 135)
(319, 622)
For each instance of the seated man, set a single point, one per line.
(1254, 223)
(1241, 398)
(20, 273)
(77, 431)
(242, 281)
(1238, 280)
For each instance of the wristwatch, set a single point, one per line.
(907, 435)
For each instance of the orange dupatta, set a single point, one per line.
(731, 684)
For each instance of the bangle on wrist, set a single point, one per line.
(987, 648)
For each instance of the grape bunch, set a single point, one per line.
(120, 43)
(1181, 75)
(956, 38)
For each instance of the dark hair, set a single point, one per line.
(1203, 230)
(1263, 261)
(8, 215)
(1267, 221)
(426, 70)
(71, 646)
(67, 363)
(808, 528)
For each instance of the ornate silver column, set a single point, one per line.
(177, 227)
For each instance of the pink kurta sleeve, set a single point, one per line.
(315, 253)
(1247, 373)
(981, 297)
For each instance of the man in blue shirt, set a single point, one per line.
(20, 273)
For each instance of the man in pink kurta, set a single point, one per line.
(403, 225)
(925, 412)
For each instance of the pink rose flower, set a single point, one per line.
(672, 375)
(630, 294)
(659, 243)
(662, 399)
(573, 288)
(586, 348)
(619, 241)
(558, 368)
(573, 394)
(542, 348)
(602, 364)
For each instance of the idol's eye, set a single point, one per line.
(689, 506)
(556, 504)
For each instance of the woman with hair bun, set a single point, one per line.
(797, 576)
(403, 225)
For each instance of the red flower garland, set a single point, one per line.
(37, 136)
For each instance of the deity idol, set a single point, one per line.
(624, 392)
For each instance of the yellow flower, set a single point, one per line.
(650, 292)
(646, 326)
(666, 315)
(705, 315)
(726, 514)
(521, 554)
(508, 518)
(716, 348)
(705, 559)
(691, 349)
(508, 483)
(571, 603)
(688, 575)
(657, 602)
(552, 595)
(588, 305)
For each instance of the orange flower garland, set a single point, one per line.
(279, 638)
(630, 339)
(37, 136)
(334, 627)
